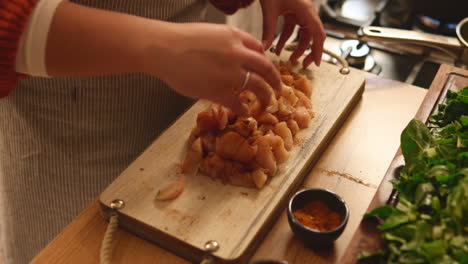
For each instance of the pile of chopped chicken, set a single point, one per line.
(246, 151)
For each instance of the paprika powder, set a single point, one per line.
(317, 215)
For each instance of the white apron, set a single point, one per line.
(63, 140)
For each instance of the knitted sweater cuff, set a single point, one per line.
(230, 6)
(14, 16)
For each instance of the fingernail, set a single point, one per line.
(264, 42)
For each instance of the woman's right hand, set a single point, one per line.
(211, 61)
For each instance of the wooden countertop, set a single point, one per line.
(353, 166)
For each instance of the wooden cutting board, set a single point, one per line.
(236, 217)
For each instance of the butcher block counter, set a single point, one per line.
(353, 165)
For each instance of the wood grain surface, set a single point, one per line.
(207, 209)
(349, 166)
(367, 236)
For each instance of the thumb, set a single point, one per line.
(269, 24)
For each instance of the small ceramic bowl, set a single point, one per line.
(311, 236)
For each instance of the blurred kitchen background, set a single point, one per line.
(395, 59)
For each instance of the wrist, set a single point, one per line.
(157, 48)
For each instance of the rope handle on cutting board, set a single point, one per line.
(106, 245)
(105, 252)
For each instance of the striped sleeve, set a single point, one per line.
(14, 16)
(230, 6)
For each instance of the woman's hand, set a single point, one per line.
(198, 60)
(211, 61)
(296, 12)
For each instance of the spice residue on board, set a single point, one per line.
(317, 215)
(346, 176)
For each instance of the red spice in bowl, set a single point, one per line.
(317, 215)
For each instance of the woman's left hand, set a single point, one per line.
(295, 12)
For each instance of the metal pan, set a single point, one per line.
(456, 48)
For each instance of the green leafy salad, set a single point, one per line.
(429, 223)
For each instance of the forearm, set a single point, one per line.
(213, 60)
(85, 41)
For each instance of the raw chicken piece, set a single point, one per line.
(267, 118)
(293, 126)
(277, 146)
(193, 158)
(259, 178)
(285, 107)
(222, 115)
(249, 99)
(302, 116)
(303, 100)
(241, 179)
(228, 171)
(232, 168)
(289, 94)
(208, 141)
(281, 129)
(170, 191)
(302, 84)
(255, 134)
(272, 106)
(285, 68)
(265, 157)
(206, 122)
(212, 165)
(265, 128)
(287, 79)
(216, 118)
(270, 151)
(244, 126)
(233, 146)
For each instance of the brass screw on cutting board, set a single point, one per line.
(211, 246)
(117, 204)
